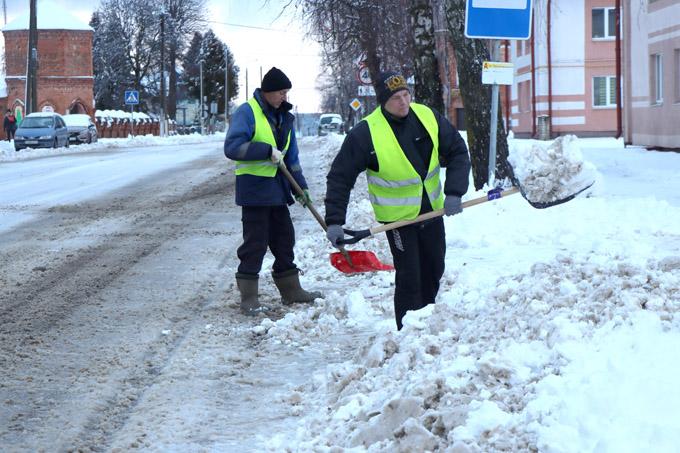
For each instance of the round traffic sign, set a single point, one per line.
(364, 75)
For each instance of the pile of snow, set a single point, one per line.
(543, 338)
(523, 366)
(550, 171)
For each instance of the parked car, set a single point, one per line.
(41, 130)
(81, 129)
(330, 122)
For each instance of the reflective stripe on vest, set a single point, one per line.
(396, 189)
(264, 134)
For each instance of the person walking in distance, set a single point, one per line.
(9, 124)
(402, 145)
(260, 138)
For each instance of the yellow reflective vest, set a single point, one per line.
(263, 133)
(396, 189)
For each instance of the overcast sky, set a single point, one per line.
(282, 44)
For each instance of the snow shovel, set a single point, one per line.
(347, 262)
(494, 194)
(357, 235)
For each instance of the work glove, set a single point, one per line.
(452, 205)
(276, 156)
(334, 233)
(303, 200)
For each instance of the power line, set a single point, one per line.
(248, 26)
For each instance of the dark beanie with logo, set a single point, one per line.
(389, 82)
(275, 80)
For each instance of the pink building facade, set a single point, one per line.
(565, 75)
(652, 73)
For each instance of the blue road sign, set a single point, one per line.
(498, 19)
(131, 97)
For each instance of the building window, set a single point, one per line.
(604, 23)
(656, 82)
(604, 91)
(677, 75)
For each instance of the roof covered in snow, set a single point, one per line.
(50, 17)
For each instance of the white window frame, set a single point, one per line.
(676, 75)
(609, 81)
(607, 36)
(656, 87)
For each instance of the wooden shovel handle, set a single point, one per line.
(301, 192)
(438, 212)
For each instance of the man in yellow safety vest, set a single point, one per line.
(261, 137)
(402, 146)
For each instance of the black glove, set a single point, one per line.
(334, 234)
(452, 205)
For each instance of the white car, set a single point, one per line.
(330, 122)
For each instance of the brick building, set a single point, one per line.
(65, 74)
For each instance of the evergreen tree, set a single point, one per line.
(211, 51)
(112, 74)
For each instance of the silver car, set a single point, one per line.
(81, 129)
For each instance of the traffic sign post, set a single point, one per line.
(132, 99)
(496, 20)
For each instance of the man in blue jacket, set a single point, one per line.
(261, 137)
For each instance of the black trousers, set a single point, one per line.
(418, 252)
(266, 227)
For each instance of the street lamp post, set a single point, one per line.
(163, 124)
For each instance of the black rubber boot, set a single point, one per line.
(247, 286)
(288, 283)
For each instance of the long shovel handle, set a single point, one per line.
(362, 234)
(308, 204)
(301, 192)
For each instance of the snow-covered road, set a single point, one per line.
(120, 329)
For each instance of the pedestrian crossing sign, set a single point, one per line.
(131, 97)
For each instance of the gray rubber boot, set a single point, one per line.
(288, 283)
(247, 286)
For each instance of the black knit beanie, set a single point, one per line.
(275, 80)
(389, 82)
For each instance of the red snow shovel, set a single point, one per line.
(344, 261)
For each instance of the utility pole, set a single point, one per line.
(164, 128)
(4, 10)
(31, 101)
(226, 85)
(201, 77)
(441, 52)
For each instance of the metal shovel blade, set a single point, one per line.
(362, 261)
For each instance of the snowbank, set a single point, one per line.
(550, 171)
(549, 327)
(8, 154)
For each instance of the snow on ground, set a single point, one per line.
(553, 331)
(8, 153)
(108, 171)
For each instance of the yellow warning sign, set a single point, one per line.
(497, 72)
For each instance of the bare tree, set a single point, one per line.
(470, 54)
(428, 87)
(131, 28)
(184, 17)
(377, 33)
